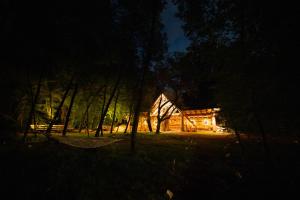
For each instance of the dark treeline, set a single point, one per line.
(245, 52)
(68, 62)
(87, 65)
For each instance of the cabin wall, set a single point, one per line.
(172, 124)
(190, 121)
(197, 120)
(187, 125)
(175, 123)
(202, 123)
(142, 125)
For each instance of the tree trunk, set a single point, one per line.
(34, 122)
(32, 110)
(129, 118)
(149, 122)
(114, 114)
(109, 102)
(34, 118)
(87, 123)
(85, 114)
(50, 101)
(165, 115)
(158, 126)
(141, 83)
(137, 106)
(69, 111)
(182, 122)
(57, 112)
(99, 128)
(158, 116)
(84, 118)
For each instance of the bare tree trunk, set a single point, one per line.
(70, 110)
(99, 128)
(50, 101)
(32, 110)
(147, 60)
(158, 116)
(104, 112)
(158, 126)
(85, 114)
(114, 114)
(57, 112)
(84, 118)
(165, 115)
(108, 104)
(87, 123)
(34, 118)
(132, 139)
(149, 121)
(34, 122)
(137, 108)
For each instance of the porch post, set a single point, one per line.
(213, 122)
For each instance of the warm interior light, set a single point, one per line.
(205, 121)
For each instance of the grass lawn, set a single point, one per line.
(191, 166)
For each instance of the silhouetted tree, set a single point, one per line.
(70, 110)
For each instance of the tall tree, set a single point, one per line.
(107, 104)
(114, 114)
(241, 42)
(33, 105)
(70, 110)
(150, 37)
(58, 109)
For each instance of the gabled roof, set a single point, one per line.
(168, 104)
(165, 104)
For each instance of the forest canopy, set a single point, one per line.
(93, 64)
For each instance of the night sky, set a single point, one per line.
(173, 27)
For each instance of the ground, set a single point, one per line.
(190, 166)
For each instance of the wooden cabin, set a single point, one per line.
(178, 120)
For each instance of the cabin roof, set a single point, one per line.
(189, 109)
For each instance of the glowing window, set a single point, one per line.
(205, 121)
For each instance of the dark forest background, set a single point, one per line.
(89, 64)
